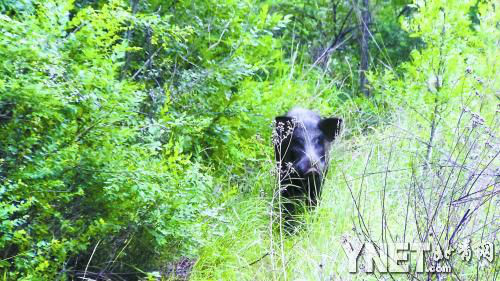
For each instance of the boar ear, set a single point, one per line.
(282, 119)
(285, 122)
(330, 127)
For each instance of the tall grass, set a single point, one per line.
(382, 187)
(420, 164)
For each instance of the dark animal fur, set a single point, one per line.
(302, 142)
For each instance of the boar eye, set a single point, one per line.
(298, 141)
(317, 140)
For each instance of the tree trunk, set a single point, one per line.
(130, 33)
(363, 44)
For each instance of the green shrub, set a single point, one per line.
(81, 168)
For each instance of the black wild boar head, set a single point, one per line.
(302, 141)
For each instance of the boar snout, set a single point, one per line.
(306, 167)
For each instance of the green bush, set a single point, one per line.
(81, 168)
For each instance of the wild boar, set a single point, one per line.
(302, 142)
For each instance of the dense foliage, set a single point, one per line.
(134, 134)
